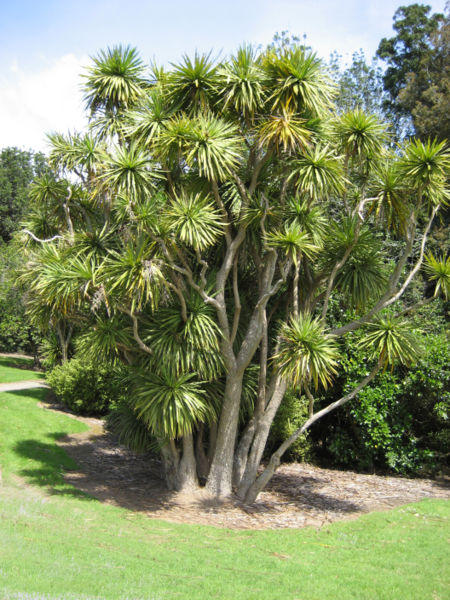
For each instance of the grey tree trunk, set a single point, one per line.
(187, 469)
(241, 455)
(260, 438)
(219, 482)
(64, 336)
(170, 459)
(200, 455)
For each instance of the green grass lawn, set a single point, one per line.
(9, 372)
(56, 543)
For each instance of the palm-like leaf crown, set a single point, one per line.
(149, 119)
(293, 241)
(426, 166)
(134, 275)
(310, 217)
(106, 339)
(75, 152)
(95, 243)
(129, 171)
(115, 80)
(306, 353)
(129, 429)
(362, 278)
(141, 214)
(391, 197)
(170, 405)
(240, 83)
(391, 340)
(318, 173)
(206, 143)
(190, 346)
(285, 132)
(359, 135)
(47, 191)
(298, 82)
(438, 270)
(42, 223)
(191, 84)
(61, 281)
(194, 220)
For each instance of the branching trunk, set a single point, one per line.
(180, 471)
(240, 460)
(221, 474)
(260, 483)
(260, 438)
(65, 337)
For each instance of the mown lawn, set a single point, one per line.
(56, 543)
(10, 374)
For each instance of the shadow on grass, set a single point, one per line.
(16, 362)
(50, 463)
(37, 393)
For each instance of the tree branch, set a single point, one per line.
(181, 298)
(36, 239)
(237, 300)
(415, 307)
(67, 213)
(136, 335)
(275, 459)
(223, 210)
(393, 282)
(343, 260)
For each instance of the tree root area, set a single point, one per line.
(299, 495)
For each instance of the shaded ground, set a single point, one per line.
(299, 495)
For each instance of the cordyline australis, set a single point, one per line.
(218, 212)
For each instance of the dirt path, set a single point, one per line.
(299, 494)
(15, 355)
(22, 385)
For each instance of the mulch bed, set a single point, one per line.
(299, 494)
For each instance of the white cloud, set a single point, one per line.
(35, 103)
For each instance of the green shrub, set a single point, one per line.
(398, 423)
(15, 334)
(292, 413)
(86, 387)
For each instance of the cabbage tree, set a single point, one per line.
(225, 212)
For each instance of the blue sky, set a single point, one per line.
(46, 43)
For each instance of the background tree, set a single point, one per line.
(360, 85)
(18, 168)
(408, 54)
(426, 94)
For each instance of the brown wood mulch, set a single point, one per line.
(299, 494)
